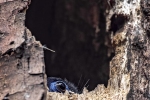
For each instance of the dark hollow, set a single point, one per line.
(76, 30)
(117, 22)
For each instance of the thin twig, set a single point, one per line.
(48, 49)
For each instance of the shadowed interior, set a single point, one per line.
(76, 30)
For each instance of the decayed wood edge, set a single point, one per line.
(19, 78)
(22, 69)
(119, 82)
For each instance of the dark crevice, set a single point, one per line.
(70, 28)
(6, 97)
(11, 43)
(20, 50)
(8, 52)
(117, 22)
(43, 96)
(28, 60)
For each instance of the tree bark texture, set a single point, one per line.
(129, 68)
(21, 57)
(22, 71)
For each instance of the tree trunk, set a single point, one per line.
(129, 68)
(22, 69)
(21, 60)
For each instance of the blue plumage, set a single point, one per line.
(59, 85)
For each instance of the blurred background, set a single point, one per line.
(76, 30)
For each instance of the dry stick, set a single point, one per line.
(48, 49)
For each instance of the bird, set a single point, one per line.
(61, 86)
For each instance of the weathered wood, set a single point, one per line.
(22, 71)
(129, 68)
(22, 75)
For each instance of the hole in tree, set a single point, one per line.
(117, 22)
(76, 30)
(12, 42)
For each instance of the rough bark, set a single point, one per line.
(21, 57)
(22, 65)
